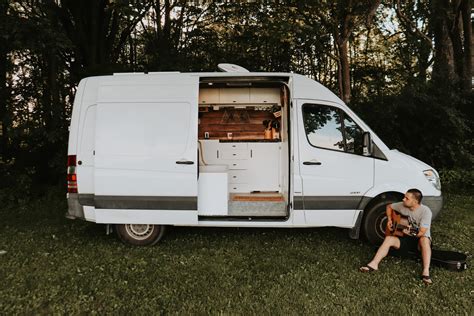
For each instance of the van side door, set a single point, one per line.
(334, 173)
(146, 150)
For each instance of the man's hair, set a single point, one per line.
(416, 194)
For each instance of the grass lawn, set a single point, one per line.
(55, 265)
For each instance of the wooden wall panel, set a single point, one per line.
(242, 123)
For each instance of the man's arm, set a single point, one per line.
(421, 232)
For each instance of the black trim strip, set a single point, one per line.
(244, 218)
(86, 199)
(140, 202)
(298, 203)
(331, 202)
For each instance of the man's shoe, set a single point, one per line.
(367, 269)
(426, 279)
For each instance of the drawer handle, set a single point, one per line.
(185, 162)
(234, 177)
(234, 164)
(312, 163)
(234, 154)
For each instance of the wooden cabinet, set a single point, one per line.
(239, 96)
(265, 95)
(265, 166)
(252, 166)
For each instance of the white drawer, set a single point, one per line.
(234, 154)
(231, 146)
(239, 164)
(238, 176)
(239, 187)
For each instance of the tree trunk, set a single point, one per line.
(466, 76)
(3, 80)
(455, 33)
(345, 76)
(443, 70)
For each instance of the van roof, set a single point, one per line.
(302, 86)
(211, 74)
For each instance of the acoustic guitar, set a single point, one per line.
(399, 224)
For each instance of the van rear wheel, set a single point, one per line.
(376, 221)
(140, 234)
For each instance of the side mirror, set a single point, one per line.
(367, 144)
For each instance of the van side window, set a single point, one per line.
(323, 126)
(329, 127)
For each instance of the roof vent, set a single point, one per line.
(231, 68)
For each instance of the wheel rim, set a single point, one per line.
(139, 231)
(380, 224)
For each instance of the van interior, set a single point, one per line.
(243, 148)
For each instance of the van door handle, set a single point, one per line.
(310, 163)
(185, 162)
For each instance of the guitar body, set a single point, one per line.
(399, 223)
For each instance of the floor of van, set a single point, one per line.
(257, 204)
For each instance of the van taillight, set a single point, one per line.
(71, 174)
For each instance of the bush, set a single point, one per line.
(457, 180)
(432, 124)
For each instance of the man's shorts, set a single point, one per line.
(408, 245)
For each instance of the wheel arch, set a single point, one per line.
(366, 205)
(381, 197)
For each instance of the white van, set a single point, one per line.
(230, 149)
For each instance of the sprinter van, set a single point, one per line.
(230, 149)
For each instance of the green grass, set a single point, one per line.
(54, 265)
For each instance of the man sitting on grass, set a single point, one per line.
(419, 216)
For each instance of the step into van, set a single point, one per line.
(230, 149)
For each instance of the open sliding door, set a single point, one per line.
(146, 145)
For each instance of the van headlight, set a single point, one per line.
(432, 177)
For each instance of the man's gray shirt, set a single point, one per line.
(420, 217)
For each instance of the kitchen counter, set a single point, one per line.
(249, 140)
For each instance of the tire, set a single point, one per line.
(140, 234)
(375, 221)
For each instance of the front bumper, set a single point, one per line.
(435, 203)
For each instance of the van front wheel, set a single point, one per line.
(140, 234)
(376, 221)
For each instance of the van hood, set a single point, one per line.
(411, 160)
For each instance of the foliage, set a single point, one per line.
(458, 180)
(431, 123)
(46, 47)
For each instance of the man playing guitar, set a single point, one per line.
(420, 216)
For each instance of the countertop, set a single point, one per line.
(249, 140)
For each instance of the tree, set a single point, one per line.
(4, 49)
(414, 20)
(452, 35)
(98, 31)
(342, 17)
